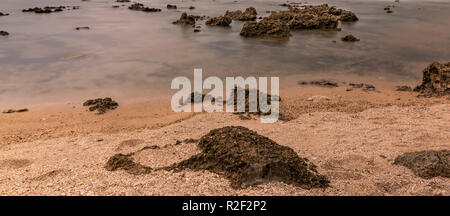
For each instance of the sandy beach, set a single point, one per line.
(353, 139)
(86, 88)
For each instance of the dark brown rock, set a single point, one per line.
(125, 162)
(4, 33)
(247, 158)
(266, 28)
(4, 14)
(101, 105)
(248, 15)
(219, 21)
(350, 38)
(141, 7)
(169, 6)
(426, 164)
(436, 80)
(403, 88)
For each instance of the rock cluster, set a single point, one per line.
(141, 7)
(279, 24)
(101, 105)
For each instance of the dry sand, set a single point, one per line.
(353, 139)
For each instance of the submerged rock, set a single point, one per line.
(350, 38)
(426, 164)
(247, 158)
(436, 80)
(141, 7)
(4, 33)
(191, 7)
(123, 1)
(101, 105)
(248, 15)
(219, 21)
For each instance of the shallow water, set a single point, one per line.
(130, 54)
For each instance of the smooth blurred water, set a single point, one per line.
(135, 54)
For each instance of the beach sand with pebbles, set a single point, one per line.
(353, 139)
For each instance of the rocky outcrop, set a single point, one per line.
(219, 21)
(248, 15)
(47, 9)
(436, 80)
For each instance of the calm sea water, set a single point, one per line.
(130, 54)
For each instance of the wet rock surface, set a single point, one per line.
(4, 14)
(435, 81)
(248, 15)
(101, 105)
(426, 164)
(247, 158)
(141, 7)
(350, 38)
(219, 21)
(4, 33)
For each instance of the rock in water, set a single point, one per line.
(4, 33)
(141, 7)
(266, 28)
(436, 80)
(248, 15)
(350, 38)
(426, 164)
(219, 21)
(101, 105)
(247, 158)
